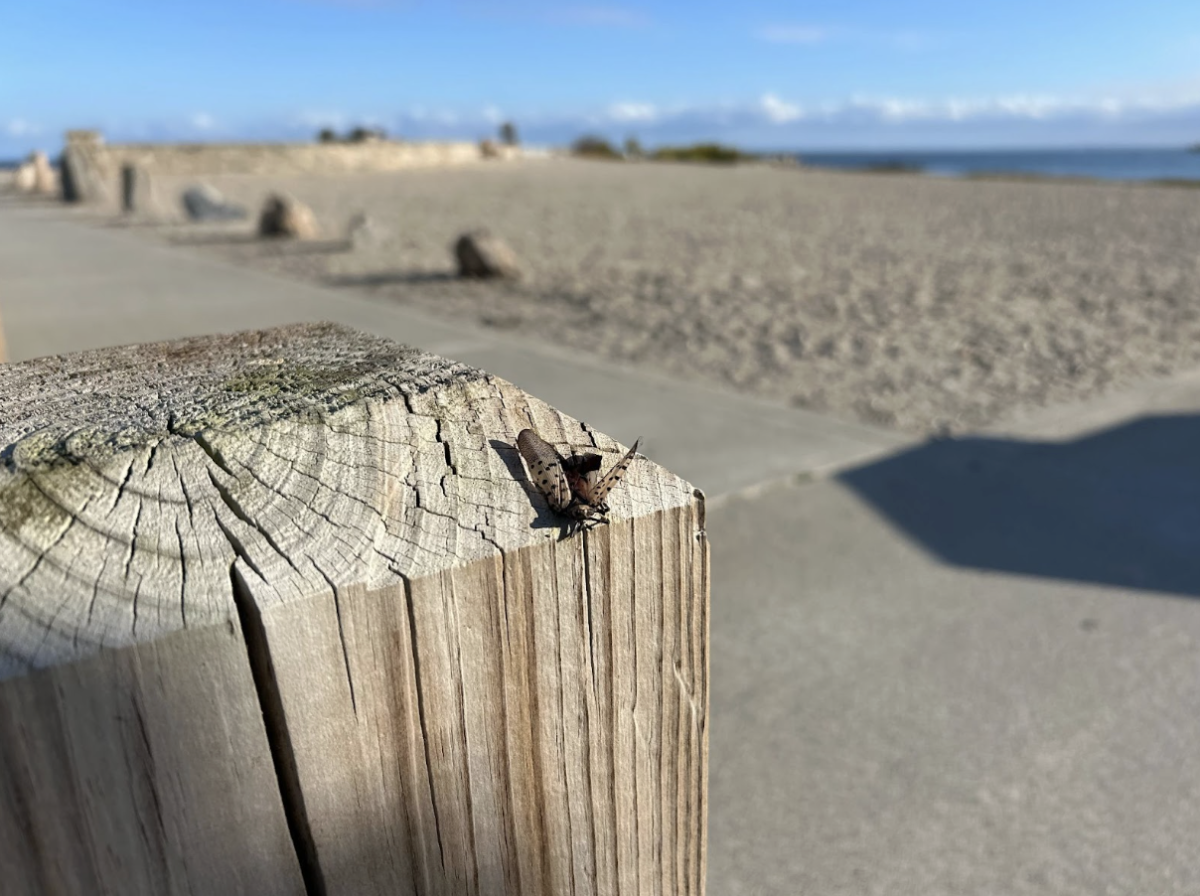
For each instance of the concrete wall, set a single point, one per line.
(97, 164)
(282, 158)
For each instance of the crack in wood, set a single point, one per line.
(425, 739)
(337, 609)
(232, 503)
(585, 549)
(279, 739)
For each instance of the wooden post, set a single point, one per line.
(135, 189)
(281, 613)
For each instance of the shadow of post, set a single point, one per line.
(386, 278)
(266, 245)
(1120, 508)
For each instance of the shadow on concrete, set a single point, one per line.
(224, 238)
(1120, 507)
(33, 200)
(266, 244)
(306, 247)
(383, 278)
(151, 220)
(133, 222)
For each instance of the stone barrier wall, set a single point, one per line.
(92, 167)
(282, 158)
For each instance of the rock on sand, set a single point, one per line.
(205, 203)
(480, 254)
(284, 216)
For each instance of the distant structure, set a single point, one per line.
(83, 175)
(91, 167)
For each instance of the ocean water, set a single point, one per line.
(1106, 164)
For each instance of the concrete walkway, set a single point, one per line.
(970, 667)
(963, 666)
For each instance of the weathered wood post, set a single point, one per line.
(280, 613)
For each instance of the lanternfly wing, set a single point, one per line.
(545, 469)
(583, 475)
(600, 491)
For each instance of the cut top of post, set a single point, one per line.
(137, 481)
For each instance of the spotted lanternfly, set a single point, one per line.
(572, 485)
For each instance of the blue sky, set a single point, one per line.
(763, 74)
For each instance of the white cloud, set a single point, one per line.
(775, 110)
(633, 112)
(202, 121)
(1039, 107)
(19, 127)
(493, 115)
(779, 112)
(794, 34)
(1015, 106)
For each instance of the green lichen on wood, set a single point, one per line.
(301, 382)
(24, 501)
(247, 401)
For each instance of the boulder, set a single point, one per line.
(80, 178)
(488, 149)
(44, 179)
(286, 217)
(204, 203)
(480, 254)
(25, 178)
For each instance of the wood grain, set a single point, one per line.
(280, 612)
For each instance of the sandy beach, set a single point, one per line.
(919, 303)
